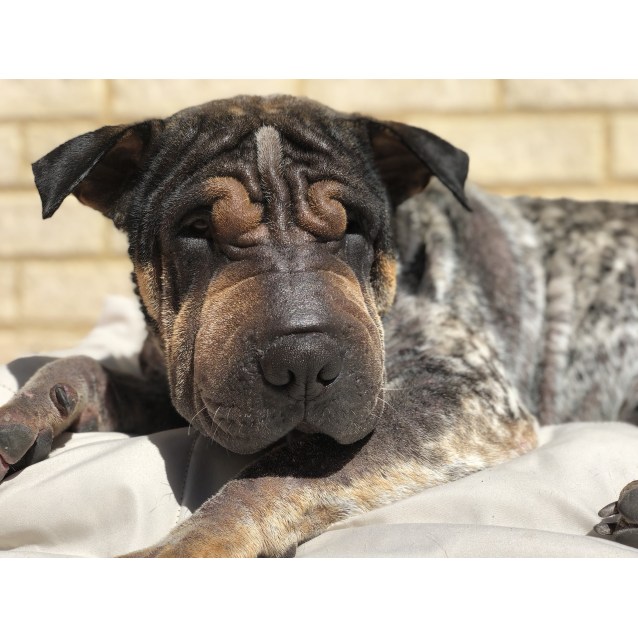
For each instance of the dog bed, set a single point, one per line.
(103, 494)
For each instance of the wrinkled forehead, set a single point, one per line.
(243, 135)
(277, 148)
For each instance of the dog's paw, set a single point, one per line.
(29, 422)
(62, 394)
(210, 550)
(199, 537)
(190, 548)
(24, 440)
(620, 518)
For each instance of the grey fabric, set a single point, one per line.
(103, 494)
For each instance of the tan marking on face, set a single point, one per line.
(236, 110)
(231, 307)
(178, 345)
(346, 296)
(236, 220)
(385, 286)
(323, 214)
(147, 286)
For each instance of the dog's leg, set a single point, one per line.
(79, 394)
(296, 491)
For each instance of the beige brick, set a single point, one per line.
(71, 292)
(27, 99)
(609, 192)
(42, 137)
(624, 146)
(10, 346)
(379, 97)
(518, 149)
(73, 230)
(10, 155)
(571, 94)
(150, 98)
(8, 310)
(18, 343)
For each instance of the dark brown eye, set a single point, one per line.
(196, 227)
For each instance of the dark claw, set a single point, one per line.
(15, 440)
(608, 510)
(64, 398)
(604, 529)
(37, 452)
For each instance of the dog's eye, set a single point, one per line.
(196, 227)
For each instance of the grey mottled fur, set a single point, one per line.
(550, 285)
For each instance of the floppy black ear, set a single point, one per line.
(407, 157)
(96, 167)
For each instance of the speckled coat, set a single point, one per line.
(549, 284)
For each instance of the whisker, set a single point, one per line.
(213, 420)
(387, 404)
(194, 417)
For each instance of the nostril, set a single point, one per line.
(302, 365)
(330, 372)
(275, 374)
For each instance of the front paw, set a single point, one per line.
(211, 550)
(201, 537)
(51, 401)
(190, 548)
(30, 420)
(197, 539)
(23, 441)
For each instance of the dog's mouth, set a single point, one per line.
(239, 429)
(246, 431)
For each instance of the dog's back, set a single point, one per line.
(590, 256)
(555, 282)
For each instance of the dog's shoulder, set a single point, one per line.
(535, 228)
(496, 235)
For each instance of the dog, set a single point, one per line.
(309, 299)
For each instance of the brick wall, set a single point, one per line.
(550, 138)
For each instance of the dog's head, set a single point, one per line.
(259, 230)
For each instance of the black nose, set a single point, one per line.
(302, 365)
